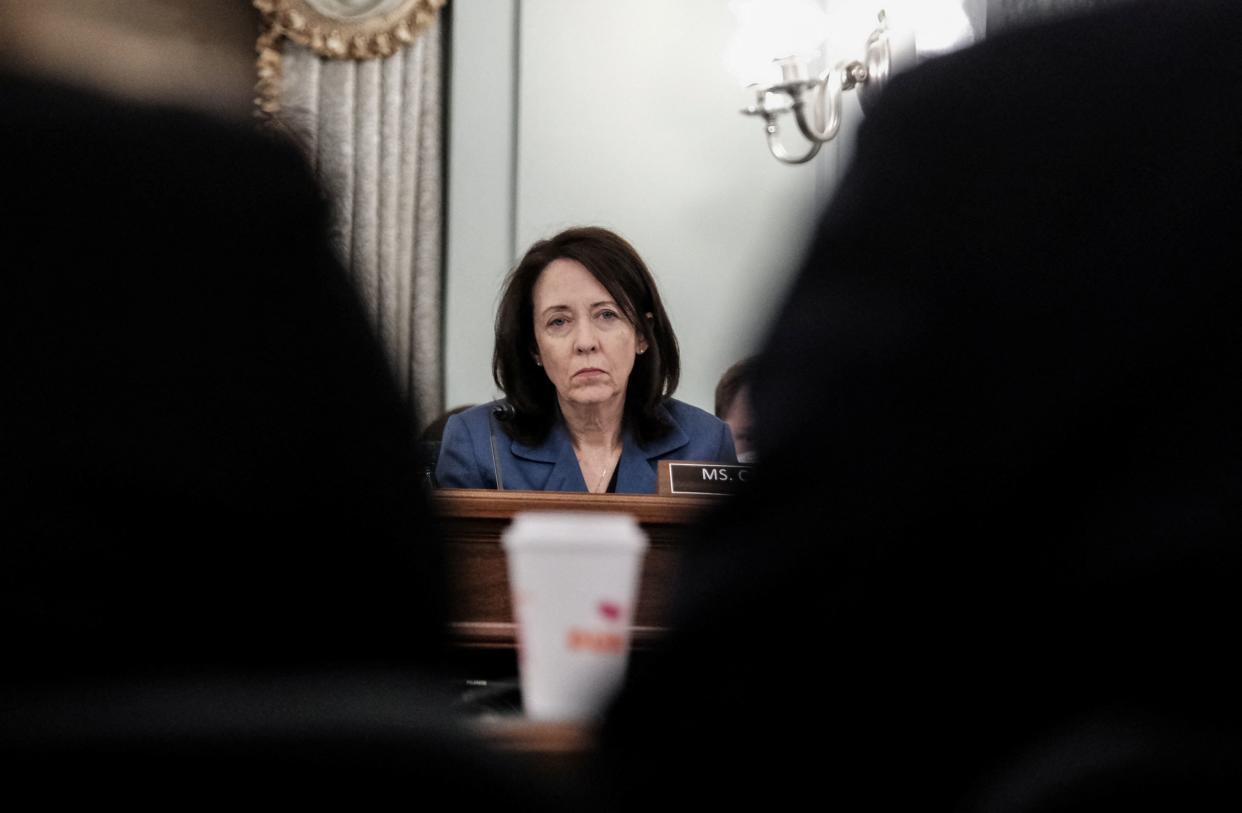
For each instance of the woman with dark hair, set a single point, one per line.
(588, 362)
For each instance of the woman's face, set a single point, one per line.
(584, 342)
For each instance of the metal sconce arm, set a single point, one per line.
(823, 93)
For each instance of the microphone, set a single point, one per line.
(503, 411)
(430, 453)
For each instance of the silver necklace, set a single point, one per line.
(599, 484)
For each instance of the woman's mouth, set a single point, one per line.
(588, 372)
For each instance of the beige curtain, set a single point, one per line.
(372, 130)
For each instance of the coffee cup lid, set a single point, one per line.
(580, 530)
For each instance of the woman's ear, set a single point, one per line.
(642, 340)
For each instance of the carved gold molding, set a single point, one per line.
(334, 29)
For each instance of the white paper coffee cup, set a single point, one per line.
(574, 582)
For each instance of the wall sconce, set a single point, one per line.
(816, 102)
(921, 29)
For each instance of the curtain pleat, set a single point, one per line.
(336, 151)
(300, 100)
(364, 222)
(372, 130)
(407, 170)
(394, 285)
(427, 349)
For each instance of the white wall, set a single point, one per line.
(479, 235)
(622, 114)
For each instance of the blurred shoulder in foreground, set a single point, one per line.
(205, 447)
(218, 570)
(1011, 583)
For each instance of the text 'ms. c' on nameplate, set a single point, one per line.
(690, 478)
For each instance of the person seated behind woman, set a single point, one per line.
(588, 362)
(733, 406)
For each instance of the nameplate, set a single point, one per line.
(690, 478)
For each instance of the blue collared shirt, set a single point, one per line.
(467, 461)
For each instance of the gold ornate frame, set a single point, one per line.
(360, 35)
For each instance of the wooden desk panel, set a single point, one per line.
(473, 519)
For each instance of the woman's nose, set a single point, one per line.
(585, 340)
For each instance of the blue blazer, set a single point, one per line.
(466, 459)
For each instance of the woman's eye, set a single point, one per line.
(558, 322)
(608, 315)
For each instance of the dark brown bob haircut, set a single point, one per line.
(533, 407)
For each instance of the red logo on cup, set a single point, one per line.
(610, 610)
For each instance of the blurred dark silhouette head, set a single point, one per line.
(205, 462)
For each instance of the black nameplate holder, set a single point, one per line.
(697, 479)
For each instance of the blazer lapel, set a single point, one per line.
(557, 451)
(638, 460)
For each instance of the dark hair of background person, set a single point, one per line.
(734, 378)
(206, 462)
(617, 266)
